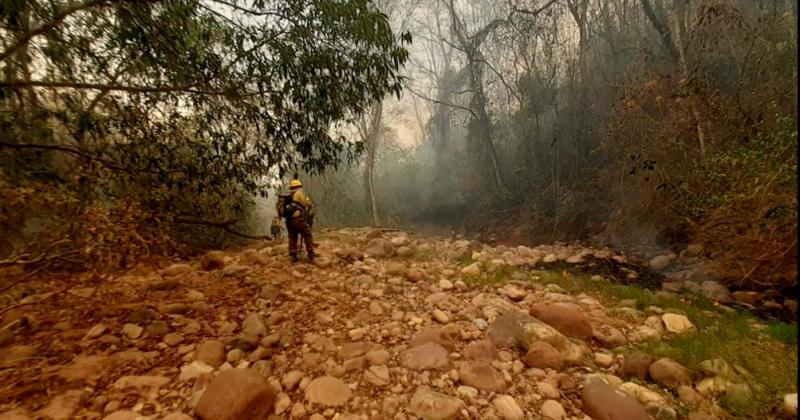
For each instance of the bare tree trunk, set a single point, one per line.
(679, 8)
(371, 135)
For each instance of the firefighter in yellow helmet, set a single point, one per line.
(299, 214)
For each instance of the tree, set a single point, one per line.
(171, 100)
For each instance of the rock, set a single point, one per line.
(380, 248)
(327, 391)
(298, 410)
(178, 416)
(254, 326)
(173, 339)
(603, 360)
(670, 373)
(426, 356)
(400, 241)
(790, 404)
(15, 355)
(214, 260)
(552, 409)
(432, 405)
(467, 391)
(480, 350)
(677, 324)
(548, 390)
(609, 336)
(235, 270)
(716, 291)
(269, 292)
(515, 293)
(542, 355)
(445, 284)
(414, 275)
(144, 384)
(536, 331)
(236, 394)
(661, 262)
(62, 406)
(377, 375)
(441, 337)
(440, 316)
(194, 370)
(637, 366)
(507, 328)
(96, 331)
(282, 402)
(177, 269)
(378, 357)
(694, 250)
(6, 337)
(507, 407)
(173, 308)
(481, 375)
(291, 379)
(132, 331)
(210, 352)
(643, 333)
(567, 319)
(235, 356)
(405, 251)
(688, 395)
(749, 298)
(123, 415)
(642, 394)
(602, 402)
(473, 269)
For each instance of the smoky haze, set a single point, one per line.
(533, 121)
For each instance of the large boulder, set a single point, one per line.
(676, 323)
(210, 352)
(716, 291)
(609, 336)
(536, 331)
(214, 260)
(380, 248)
(443, 337)
(507, 327)
(543, 356)
(328, 391)
(480, 350)
(426, 356)
(236, 394)
(602, 402)
(481, 375)
(567, 319)
(670, 373)
(637, 366)
(432, 405)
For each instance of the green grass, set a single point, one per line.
(766, 349)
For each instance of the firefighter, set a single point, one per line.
(298, 212)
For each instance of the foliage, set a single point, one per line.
(184, 108)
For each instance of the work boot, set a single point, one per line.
(311, 258)
(294, 258)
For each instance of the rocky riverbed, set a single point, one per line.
(385, 325)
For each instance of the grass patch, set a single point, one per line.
(768, 350)
(787, 333)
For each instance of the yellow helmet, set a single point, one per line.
(295, 183)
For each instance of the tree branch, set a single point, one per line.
(103, 87)
(463, 108)
(534, 12)
(57, 19)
